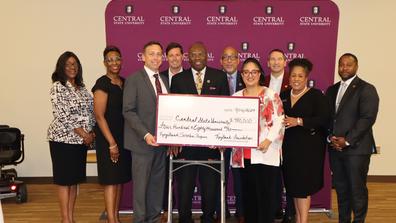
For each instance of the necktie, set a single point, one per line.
(199, 82)
(157, 84)
(230, 84)
(343, 88)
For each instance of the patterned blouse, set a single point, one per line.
(271, 127)
(72, 108)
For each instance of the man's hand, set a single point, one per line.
(339, 143)
(150, 140)
(173, 150)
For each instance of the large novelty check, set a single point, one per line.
(207, 121)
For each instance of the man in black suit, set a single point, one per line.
(354, 104)
(201, 80)
(229, 62)
(174, 56)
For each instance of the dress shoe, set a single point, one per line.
(288, 219)
(164, 217)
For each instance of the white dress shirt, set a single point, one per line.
(347, 83)
(150, 74)
(194, 72)
(276, 83)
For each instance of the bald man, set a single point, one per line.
(199, 80)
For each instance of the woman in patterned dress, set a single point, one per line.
(260, 165)
(70, 132)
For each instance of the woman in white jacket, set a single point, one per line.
(260, 165)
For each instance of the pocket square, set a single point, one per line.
(212, 88)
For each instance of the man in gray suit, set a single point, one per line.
(354, 104)
(148, 158)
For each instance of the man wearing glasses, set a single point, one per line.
(229, 62)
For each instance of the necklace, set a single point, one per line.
(299, 94)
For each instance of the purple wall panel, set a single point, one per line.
(301, 28)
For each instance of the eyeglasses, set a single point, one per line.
(231, 58)
(253, 73)
(113, 60)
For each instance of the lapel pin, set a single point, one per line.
(208, 81)
(353, 86)
(240, 84)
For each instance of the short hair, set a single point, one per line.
(109, 49)
(60, 75)
(257, 63)
(277, 50)
(301, 62)
(152, 43)
(173, 45)
(349, 55)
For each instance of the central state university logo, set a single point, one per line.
(175, 9)
(290, 46)
(244, 46)
(315, 10)
(128, 18)
(222, 9)
(129, 9)
(268, 10)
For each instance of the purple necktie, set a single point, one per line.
(157, 84)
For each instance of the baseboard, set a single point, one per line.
(94, 179)
(48, 180)
(382, 178)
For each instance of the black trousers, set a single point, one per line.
(349, 179)
(209, 181)
(290, 210)
(259, 192)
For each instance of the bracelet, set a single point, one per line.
(298, 121)
(113, 146)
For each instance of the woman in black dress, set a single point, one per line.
(307, 114)
(113, 161)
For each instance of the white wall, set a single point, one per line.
(35, 32)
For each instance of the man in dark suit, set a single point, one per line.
(148, 159)
(229, 62)
(354, 105)
(174, 56)
(278, 81)
(201, 80)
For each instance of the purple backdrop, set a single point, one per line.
(301, 28)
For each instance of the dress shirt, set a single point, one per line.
(150, 74)
(347, 83)
(233, 80)
(194, 72)
(276, 83)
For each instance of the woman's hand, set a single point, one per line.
(291, 121)
(263, 147)
(114, 153)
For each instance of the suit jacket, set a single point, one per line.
(285, 81)
(166, 73)
(214, 83)
(355, 117)
(139, 110)
(239, 83)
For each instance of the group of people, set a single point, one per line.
(297, 123)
